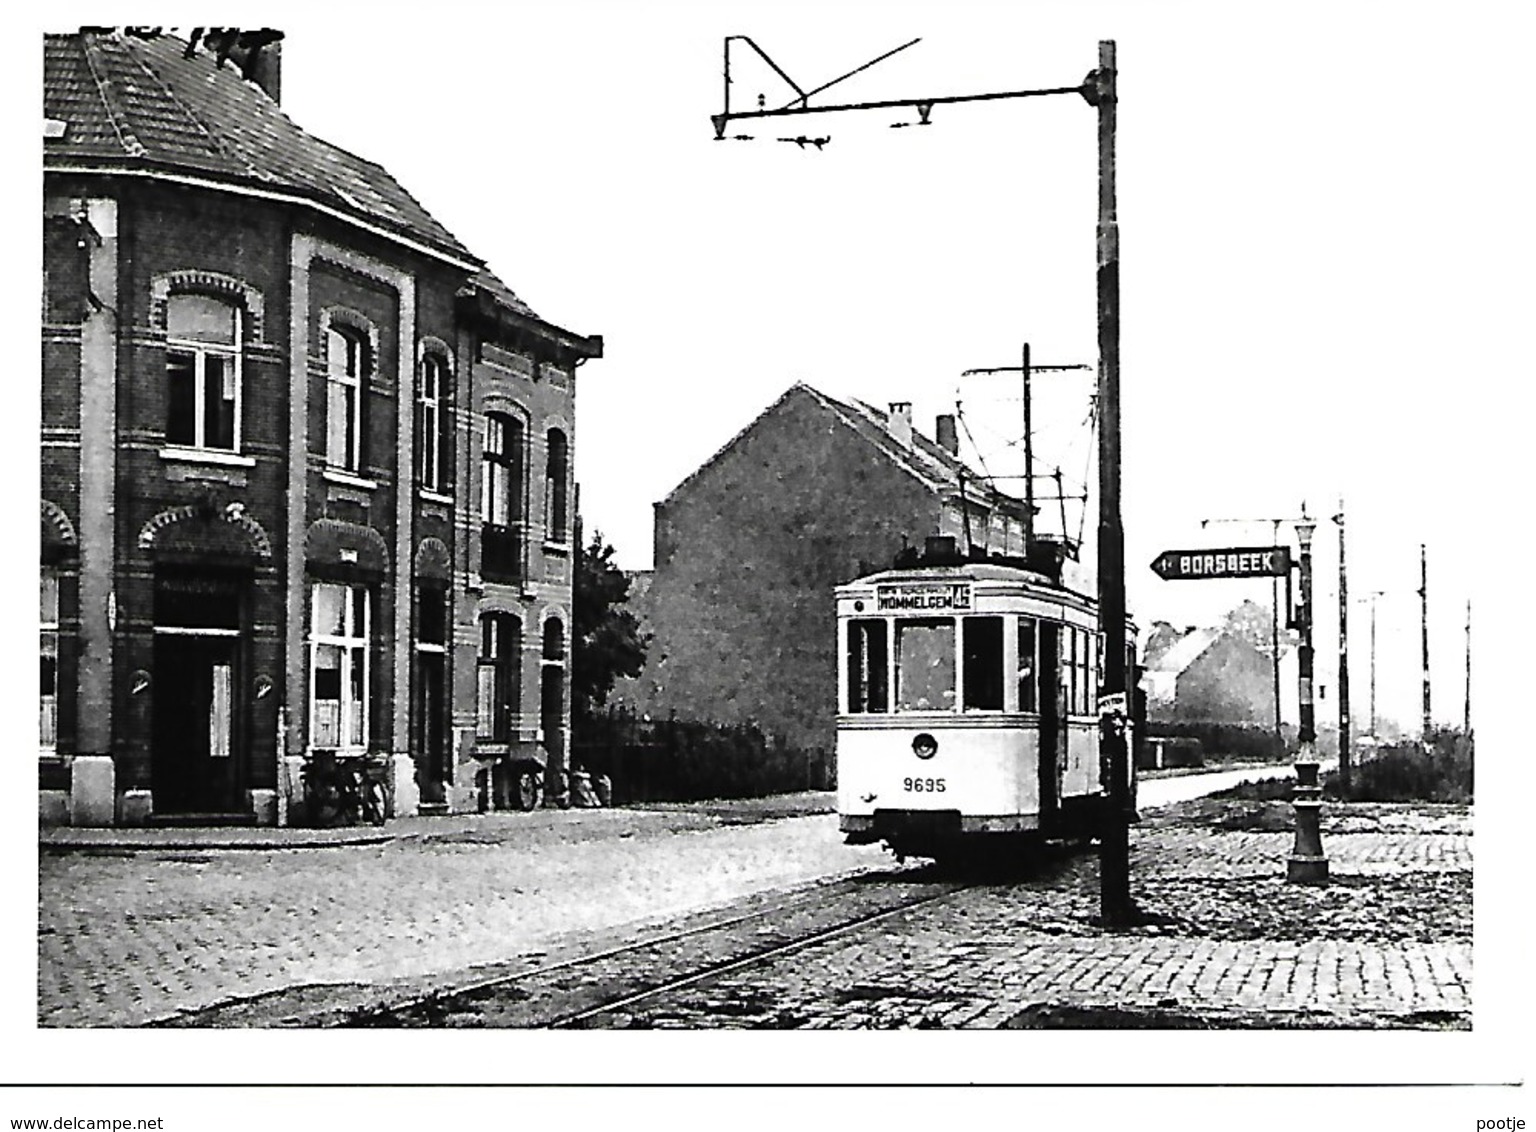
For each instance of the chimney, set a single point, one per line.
(264, 67)
(255, 52)
(944, 432)
(899, 423)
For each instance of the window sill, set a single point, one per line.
(206, 456)
(560, 548)
(349, 479)
(428, 496)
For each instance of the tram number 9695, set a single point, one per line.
(923, 785)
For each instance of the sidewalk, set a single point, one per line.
(495, 826)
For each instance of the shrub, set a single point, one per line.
(1412, 772)
(686, 760)
(1223, 740)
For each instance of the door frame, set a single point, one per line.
(221, 797)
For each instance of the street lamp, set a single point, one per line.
(1307, 864)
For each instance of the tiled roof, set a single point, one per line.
(141, 104)
(925, 459)
(1185, 651)
(501, 292)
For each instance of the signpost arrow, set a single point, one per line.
(1223, 562)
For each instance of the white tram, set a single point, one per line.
(967, 705)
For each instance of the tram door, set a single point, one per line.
(194, 734)
(1053, 725)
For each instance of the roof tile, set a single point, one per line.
(140, 102)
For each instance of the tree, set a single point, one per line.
(606, 638)
(1253, 623)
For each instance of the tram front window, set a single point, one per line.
(982, 638)
(867, 666)
(925, 665)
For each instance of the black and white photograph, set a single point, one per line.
(667, 518)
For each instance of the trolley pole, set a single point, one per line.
(1346, 739)
(1115, 906)
(1307, 864)
(1029, 464)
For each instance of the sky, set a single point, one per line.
(1324, 239)
(1315, 214)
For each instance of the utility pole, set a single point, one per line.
(1115, 907)
(1098, 89)
(1424, 639)
(1371, 597)
(1466, 707)
(1307, 864)
(1346, 739)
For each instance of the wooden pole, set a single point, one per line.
(1114, 843)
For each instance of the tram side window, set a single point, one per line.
(1080, 681)
(867, 666)
(982, 641)
(1029, 668)
(1067, 668)
(925, 665)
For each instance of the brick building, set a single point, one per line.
(813, 493)
(1214, 676)
(306, 463)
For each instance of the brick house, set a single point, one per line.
(1214, 676)
(813, 493)
(305, 461)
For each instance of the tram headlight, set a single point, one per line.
(925, 746)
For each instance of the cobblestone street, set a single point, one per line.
(1229, 944)
(128, 937)
(131, 937)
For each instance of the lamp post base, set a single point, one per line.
(1306, 870)
(1307, 863)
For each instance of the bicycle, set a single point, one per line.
(343, 790)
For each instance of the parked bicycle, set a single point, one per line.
(343, 790)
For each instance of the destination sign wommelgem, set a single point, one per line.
(1224, 562)
(922, 598)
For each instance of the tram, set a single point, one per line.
(968, 704)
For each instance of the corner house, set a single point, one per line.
(306, 464)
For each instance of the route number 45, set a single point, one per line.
(923, 785)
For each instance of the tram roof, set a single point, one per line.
(962, 571)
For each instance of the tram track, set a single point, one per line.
(630, 984)
(613, 986)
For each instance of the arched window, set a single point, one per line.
(431, 389)
(501, 643)
(346, 370)
(557, 472)
(501, 496)
(202, 361)
(554, 642)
